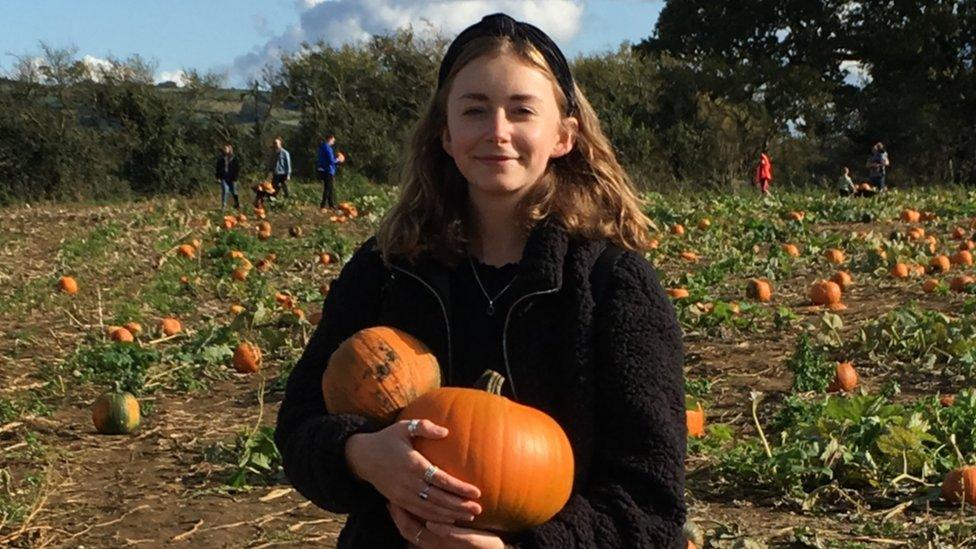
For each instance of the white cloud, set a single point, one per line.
(177, 76)
(338, 22)
(96, 66)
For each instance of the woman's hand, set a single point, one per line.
(438, 535)
(387, 460)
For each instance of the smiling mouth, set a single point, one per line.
(494, 159)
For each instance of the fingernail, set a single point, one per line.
(469, 518)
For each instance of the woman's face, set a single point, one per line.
(503, 124)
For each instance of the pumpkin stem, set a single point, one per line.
(490, 381)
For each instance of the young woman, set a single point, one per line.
(226, 171)
(510, 195)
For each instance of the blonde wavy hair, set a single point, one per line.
(586, 190)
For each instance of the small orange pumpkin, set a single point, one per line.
(939, 264)
(960, 485)
(247, 358)
(842, 279)
(377, 371)
(845, 378)
(236, 309)
(910, 216)
(689, 256)
(170, 326)
(677, 293)
(824, 292)
(899, 270)
(68, 285)
(960, 283)
(695, 420)
(962, 257)
(791, 250)
(834, 256)
(796, 215)
(958, 233)
(187, 251)
(759, 289)
(677, 229)
(930, 285)
(121, 334)
(704, 223)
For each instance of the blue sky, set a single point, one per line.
(236, 36)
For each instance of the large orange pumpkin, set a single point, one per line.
(518, 456)
(170, 326)
(960, 484)
(939, 264)
(899, 270)
(378, 371)
(825, 292)
(962, 257)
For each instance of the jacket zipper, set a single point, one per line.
(447, 322)
(508, 316)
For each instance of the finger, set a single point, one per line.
(451, 532)
(461, 509)
(454, 485)
(407, 525)
(428, 511)
(426, 429)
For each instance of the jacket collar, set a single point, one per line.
(540, 269)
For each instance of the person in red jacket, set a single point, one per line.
(764, 172)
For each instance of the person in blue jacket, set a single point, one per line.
(328, 163)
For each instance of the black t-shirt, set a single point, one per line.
(477, 334)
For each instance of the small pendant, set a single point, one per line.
(491, 308)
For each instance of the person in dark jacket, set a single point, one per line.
(328, 163)
(512, 205)
(226, 171)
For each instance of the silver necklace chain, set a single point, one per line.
(491, 300)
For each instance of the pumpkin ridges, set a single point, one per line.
(115, 413)
(512, 496)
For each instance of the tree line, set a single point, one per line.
(690, 106)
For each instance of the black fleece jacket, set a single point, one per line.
(613, 371)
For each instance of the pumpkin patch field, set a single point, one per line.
(830, 362)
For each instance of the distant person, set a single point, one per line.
(878, 166)
(846, 186)
(328, 163)
(226, 171)
(280, 167)
(764, 173)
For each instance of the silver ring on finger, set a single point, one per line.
(412, 426)
(429, 474)
(424, 493)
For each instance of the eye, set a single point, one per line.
(472, 111)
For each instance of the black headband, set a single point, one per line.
(499, 24)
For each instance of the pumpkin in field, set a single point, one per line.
(960, 485)
(960, 283)
(378, 371)
(349, 209)
(824, 292)
(653, 244)
(187, 251)
(236, 309)
(927, 216)
(115, 413)
(118, 333)
(518, 456)
(930, 285)
(967, 245)
(134, 327)
(939, 264)
(678, 229)
(791, 250)
(899, 270)
(834, 256)
(677, 293)
(704, 223)
(795, 216)
(910, 216)
(958, 233)
(247, 358)
(689, 256)
(325, 258)
(931, 244)
(240, 273)
(229, 222)
(759, 289)
(695, 419)
(842, 279)
(68, 285)
(947, 400)
(845, 378)
(916, 233)
(962, 257)
(170, 326)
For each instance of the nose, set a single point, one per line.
(499, 127)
